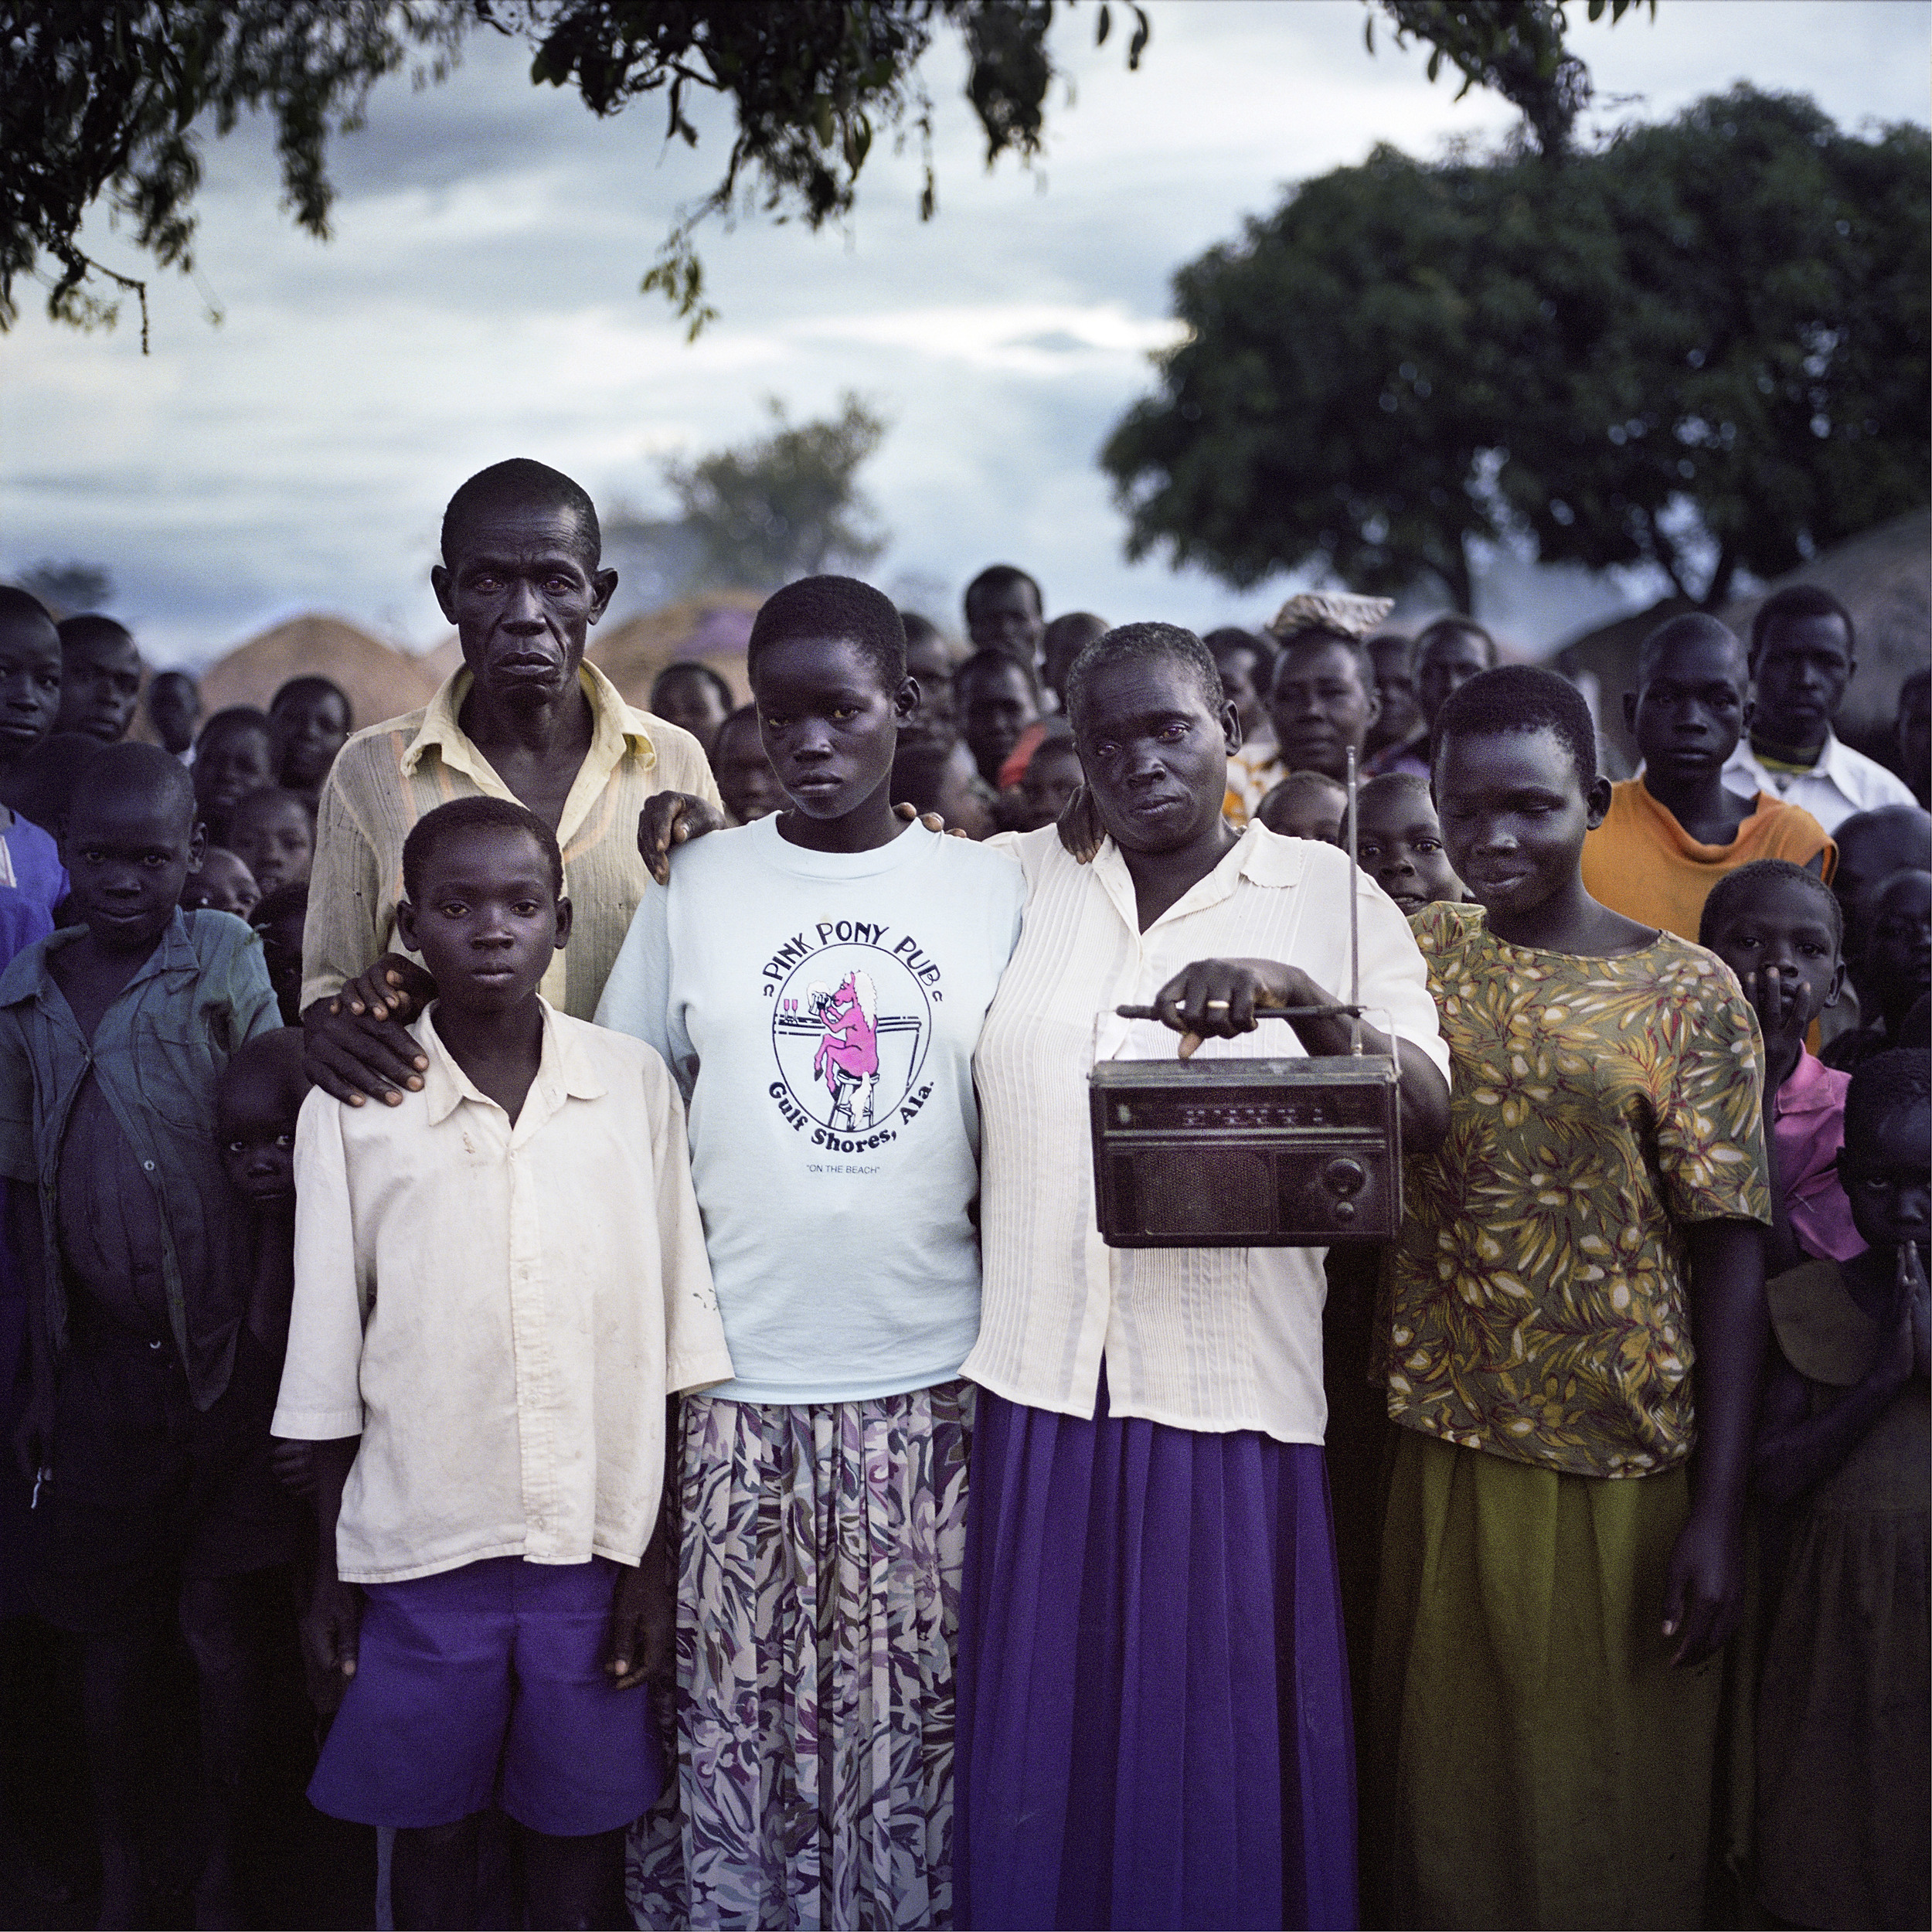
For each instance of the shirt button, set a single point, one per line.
(148, 1167)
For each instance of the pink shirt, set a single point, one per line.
(1808, 1128)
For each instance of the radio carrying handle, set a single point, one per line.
(1351, 1008)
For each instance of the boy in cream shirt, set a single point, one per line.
(499, 1280)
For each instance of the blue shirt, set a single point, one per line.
(32, 883)
(156, 1054)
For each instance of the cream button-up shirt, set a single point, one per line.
(385, 777)
(499, 1310)
(1210, 1338)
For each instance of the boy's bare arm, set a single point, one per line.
(26, 1236)
(335, 1613)
(1703, 1597)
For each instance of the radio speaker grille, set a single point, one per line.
(1217, 1191)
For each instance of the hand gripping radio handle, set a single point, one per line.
(1260, 1012)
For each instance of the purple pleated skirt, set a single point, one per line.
(1153, 1724)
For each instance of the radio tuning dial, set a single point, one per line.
(1344, 1176)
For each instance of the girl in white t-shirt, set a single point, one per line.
(816, 980)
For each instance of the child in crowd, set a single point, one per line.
(222, 885)
(1872, 846)
(498, 1282)
(1399, 843)
(234, 755)
(1672, 833)
(1576, 1297)
(695, 697)
(151, 1395)
(997, 701)
(1067, 636)
(1052, 776)
(257, 1099)
(280, 917)
(932, 769)
(1843, 1446)
(1246, 662)
(1005, 611)
(1778, 928)
(1803, 656)
(745, 781)
(1321, 701)
(1895, 966)
(1306, 804)
(309, 721)
(1398, 739)
(33, 882)
(39, 788)
(173, 705)
(816, 982)
(272, 832)
(99, 678)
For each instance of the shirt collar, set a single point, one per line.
(1263, 856)
(615, 729)
(27, 977)
(563, 1072)
(1808, 1089)
(1746, 758)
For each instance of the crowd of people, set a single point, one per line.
(551, 1275)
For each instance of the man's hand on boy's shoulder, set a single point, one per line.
(355, 1044)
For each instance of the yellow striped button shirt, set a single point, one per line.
(389, 775)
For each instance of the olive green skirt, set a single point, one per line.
(1535, 1759)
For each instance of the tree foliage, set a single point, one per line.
(69, 587)
(1702, 345)
(101, 97)
(1515, 47)
(105, 98)
(784, 505)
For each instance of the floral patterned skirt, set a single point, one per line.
(819, 1558)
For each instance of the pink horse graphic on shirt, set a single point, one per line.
(847, 1057)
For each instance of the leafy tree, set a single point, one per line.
(784, 505)
(1702, 345)
(102, 97)
(65, 588)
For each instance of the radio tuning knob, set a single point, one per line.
(1344, 1210)
(1344, 1176)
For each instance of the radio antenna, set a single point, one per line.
(1355, 934)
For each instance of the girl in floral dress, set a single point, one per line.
(1577, 1303)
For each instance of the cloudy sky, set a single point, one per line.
(479, 299)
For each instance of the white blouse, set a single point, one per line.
(1211, 1338)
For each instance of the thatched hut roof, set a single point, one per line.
(381, 682)
(713, 627)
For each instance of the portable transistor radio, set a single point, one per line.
(1297, 1152)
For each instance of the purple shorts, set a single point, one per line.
(485, 1685)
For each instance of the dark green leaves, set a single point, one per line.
(1703, 347)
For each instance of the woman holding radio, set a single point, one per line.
(1154, 1725)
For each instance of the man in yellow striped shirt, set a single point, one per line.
(524, 719)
